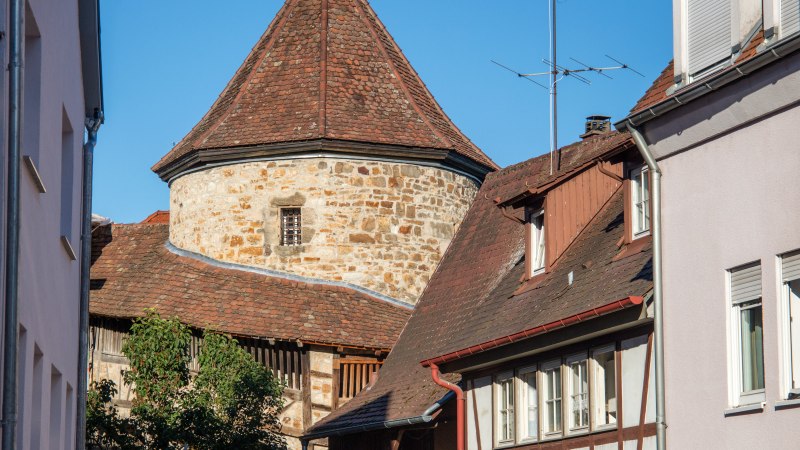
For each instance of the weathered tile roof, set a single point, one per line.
(469, 298)
(326, 69)
(160, 216)
(132, 269)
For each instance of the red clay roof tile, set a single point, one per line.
(132, 270)
(326, 69)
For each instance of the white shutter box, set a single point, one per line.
(790, 17)
(790, 266)
(746, 283)
(709, 26)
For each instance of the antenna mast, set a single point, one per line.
(553, 86)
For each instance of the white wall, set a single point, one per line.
(729, 201)
(49, 278)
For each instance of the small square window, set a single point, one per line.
(640, 202)
(291, 226)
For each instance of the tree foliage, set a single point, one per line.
(232, 402)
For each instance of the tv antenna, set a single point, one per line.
(558, 73)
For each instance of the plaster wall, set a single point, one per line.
(382, 226)
(729, 201)
(49, 277)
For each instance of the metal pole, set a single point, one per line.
(92, 125)
(658, 303)
(10, 323)
(553, 89)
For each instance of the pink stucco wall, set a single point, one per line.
(729, 201)
(49, 278)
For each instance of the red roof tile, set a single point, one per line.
(326, 69)
(657, 92)
(133, 270)
(159, 216)
(470, 297)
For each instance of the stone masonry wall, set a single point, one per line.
(382, 226)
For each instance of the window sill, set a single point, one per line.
(37, 178)
(746, 409)
(68, 248)
(787, 404)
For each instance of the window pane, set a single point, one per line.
(552, 400)
(793, 288)
(752, 348)
(605, 398)
(531, 406)
(506, 409)
(579, 398)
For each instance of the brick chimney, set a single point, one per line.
(597, 125)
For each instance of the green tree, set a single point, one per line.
(105, 429)
(233, 402)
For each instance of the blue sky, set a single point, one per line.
(165, 62)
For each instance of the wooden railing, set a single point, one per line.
(355, 373)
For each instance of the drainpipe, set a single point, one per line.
(655, 198)
(10, 321)
(92, 125)
(461, 404)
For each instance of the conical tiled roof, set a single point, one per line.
(325, 70)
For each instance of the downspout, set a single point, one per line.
(461, 404)
(658, 319)
(92, 125)
(10, 320)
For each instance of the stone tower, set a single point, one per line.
(325, 157)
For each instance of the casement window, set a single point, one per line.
(640, 202)
(747, 349)
(504, 410)
(528, 424)
(537, 240)
(604, 392)
(551, 398)
(790, 298)
(790, 17)
(290, 226)
(578, 386)
(708, 28)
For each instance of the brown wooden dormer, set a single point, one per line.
(560, 208)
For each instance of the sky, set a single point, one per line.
(165, 62)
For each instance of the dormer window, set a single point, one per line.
(640, 197)
(536, 243)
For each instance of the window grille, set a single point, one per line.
(355, 374)
(290, 226)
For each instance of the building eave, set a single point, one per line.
(712, 83)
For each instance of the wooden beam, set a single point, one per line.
(306, 388)
(645, 386)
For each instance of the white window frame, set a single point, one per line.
(523, 433)
(498, 402)
(790, 318)
(538, 248)
(595, 385)
(543, 373)
(640, 197)
(571, 361)
(738, 396)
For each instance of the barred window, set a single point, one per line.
(290, 226)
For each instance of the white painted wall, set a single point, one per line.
(49, 278)
(726, 202)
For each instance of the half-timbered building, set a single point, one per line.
(537, 319)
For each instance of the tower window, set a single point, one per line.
(290, 226)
